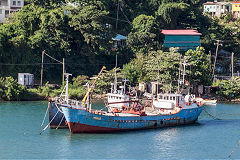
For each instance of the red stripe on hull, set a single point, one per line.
(84, 128)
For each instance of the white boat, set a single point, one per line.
(209, 102)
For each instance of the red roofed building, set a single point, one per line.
(182, 39)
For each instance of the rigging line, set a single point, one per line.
(49, 123)
(234, 149)
(60, 122)
(45, 114)
(214, 117)
(53, 58)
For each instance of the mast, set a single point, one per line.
(67, 79)
(115, 80)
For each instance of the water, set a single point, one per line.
(208, 139)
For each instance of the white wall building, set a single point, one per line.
(223, 8)
(9, 6)
(210, 7)
(217, 8)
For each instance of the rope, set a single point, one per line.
(58, 108)
(214, 117)
(45, 116)
(49, 122)
(53, 58)
(60, 122)
(233, 150)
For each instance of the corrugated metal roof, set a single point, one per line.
(181, 32)
(209, 3)
(119, 37)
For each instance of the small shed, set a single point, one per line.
(119, 41)
(26, 79)
(184, 39)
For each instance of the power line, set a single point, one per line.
(35, 64)
(53, 58)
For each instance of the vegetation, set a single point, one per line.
(82, 31)
(229, 89)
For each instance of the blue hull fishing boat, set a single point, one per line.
(82, 120)
(125, 113)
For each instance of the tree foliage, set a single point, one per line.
(229, 89)
(199, 68)
(10, 89)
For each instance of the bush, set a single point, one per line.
(229, 89)
(10, 89)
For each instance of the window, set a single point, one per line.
(14, 3)
(0, 3)
(19, 3)
(0, 11)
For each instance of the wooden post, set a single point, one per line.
(63, 71)
(232, 64)
(210, 62)
(218, 43)
(43, 52)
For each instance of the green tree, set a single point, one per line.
(170, 12)
(10, 89)
(144, 35)
(199, 66)
(229, 89)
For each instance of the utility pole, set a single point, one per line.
(63, 71)
(210, 61)
(218, 43)
(184, 69)
(43, 52)
(232, 64)
(117, 15)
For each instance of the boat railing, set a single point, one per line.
(69, 101)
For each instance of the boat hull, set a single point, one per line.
(56, 118)
(82, 121)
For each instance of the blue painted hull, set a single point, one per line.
(80, 120)
(55, 121)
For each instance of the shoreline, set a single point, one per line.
(102, 97)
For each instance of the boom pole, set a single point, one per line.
(90, 89)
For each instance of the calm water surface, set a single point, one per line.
(207, 139)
